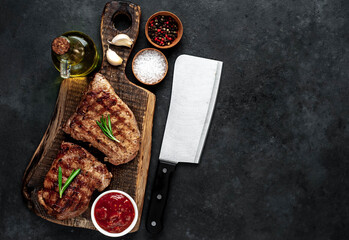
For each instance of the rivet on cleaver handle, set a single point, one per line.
(154, 223)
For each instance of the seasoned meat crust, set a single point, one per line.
(101, 100)
(93, 175)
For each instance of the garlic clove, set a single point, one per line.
(113, 58)
(121, 40)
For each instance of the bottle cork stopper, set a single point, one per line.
(60, 45)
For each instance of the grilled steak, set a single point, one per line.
(93, 175)
(101, 100)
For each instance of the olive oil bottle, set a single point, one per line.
(74, 54)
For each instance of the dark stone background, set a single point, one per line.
(276, 160)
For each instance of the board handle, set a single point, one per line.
(158, 199)
(109, 31)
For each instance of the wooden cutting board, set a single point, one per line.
(130, 177)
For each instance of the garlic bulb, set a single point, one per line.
(113, 58)
(121, 40)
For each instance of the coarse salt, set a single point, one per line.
(150, 66)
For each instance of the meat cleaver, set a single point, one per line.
(194, 92)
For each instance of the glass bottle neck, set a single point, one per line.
(76, 51)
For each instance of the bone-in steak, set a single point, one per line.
(101, 100)
(93, 175)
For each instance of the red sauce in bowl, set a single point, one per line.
(114, 212)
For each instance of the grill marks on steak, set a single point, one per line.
(101, 100)
(75, 200)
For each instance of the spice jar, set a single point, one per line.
(164, 30)
(149, 66)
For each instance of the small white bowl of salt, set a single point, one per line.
(149, 66)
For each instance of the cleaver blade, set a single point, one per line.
(194, 91)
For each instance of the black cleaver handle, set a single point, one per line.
(159, 196)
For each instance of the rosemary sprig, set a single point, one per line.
(73, 174)
(60, 181)
(106, 127)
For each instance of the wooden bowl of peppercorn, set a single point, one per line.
(164, 30)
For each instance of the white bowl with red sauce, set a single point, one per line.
(114, 213)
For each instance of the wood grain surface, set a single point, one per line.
(130, 177)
